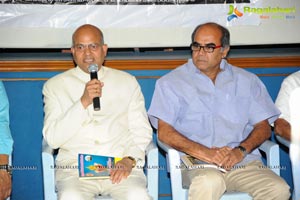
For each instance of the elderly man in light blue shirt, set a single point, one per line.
(6, 143)
(220, 114)
(217, 115)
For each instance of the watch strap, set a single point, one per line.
(242, 149)
(6, 168)
(132, 159)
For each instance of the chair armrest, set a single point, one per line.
(151, 149)
(173, 156)
(46, 148)
(283, 141)
(48, 171)
(173, 167)
(271, 150)
(152, 170)
(164, 146)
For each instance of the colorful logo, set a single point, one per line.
(233, 13)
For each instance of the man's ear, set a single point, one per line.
(72, 50)
(225, 51)
(105, 48)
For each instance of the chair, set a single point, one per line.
(295, 167)
(49, 177)
(179, 193)
(294, 145)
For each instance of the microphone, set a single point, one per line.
(93, 69)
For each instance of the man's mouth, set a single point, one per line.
(201, 60)
(88, 60)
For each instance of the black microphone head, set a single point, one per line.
(93, 68)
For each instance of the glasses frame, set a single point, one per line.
(83, 47)
(206, 48)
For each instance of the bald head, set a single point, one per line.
(225, 35)
(88, 47)
(87, 28)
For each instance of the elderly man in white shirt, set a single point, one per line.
(119, 129)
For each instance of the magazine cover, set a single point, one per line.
(95, 166)
(193, 163)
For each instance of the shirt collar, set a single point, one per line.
(86, 76)
(193, 68)
(226, 69)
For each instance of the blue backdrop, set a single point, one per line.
(24, 91)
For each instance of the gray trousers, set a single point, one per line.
(260, 183)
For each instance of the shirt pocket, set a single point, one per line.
(195, 117)
(234, 109)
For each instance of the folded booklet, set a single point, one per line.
(95, 166)
(194, 163)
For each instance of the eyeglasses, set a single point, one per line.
(82, 47)
(195, 46)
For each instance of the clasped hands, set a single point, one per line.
(225, 157)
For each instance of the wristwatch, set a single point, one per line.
(6, 168)
(133, 160)
(243, 150)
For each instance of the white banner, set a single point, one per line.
(125, 16)
(146, 23)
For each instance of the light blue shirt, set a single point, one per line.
(6, 141)
(220, 114)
